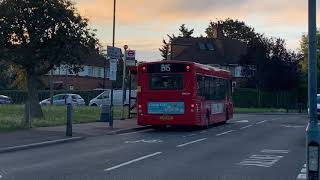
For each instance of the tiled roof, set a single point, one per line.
(225, 50)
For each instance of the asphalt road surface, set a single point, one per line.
(248, 147)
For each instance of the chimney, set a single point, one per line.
(217, 31)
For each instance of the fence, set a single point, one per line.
(252, 98)
(13, 115)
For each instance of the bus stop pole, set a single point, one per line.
(312, 129)
(129, 108)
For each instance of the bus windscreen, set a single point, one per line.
(166, 82)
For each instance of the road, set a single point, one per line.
(248, 147)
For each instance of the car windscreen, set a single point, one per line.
(166, 82)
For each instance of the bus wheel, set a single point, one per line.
(227, 115)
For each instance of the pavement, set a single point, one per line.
(36, 137)
(249, 147)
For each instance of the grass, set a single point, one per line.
(12, 116)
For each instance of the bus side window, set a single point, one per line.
(212, 88)
(199, 85)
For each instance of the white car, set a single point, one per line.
(105, 98)
(61, 99)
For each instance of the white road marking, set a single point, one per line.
(261, 122)
(291, 126)
(261, 160)
(246, 127)
(144, 141)
(0, 176)
(242, 121)
(225, 133)
(273, 151)
(133, 161)
(303, 173)
(192, 142)
(147, 130)
(203, 132)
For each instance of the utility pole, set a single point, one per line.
(124, 79)
(113, 39)
(51, 87)
(312, 129)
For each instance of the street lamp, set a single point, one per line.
(124, 96)
(312, 129)
(113, 39)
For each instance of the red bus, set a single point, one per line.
(180, 93)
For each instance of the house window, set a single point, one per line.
(210, 46)
(108, 72)
(90, 71)
(201, 46)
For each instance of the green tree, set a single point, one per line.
(164, 50)
(6, 77)
(233, 29)
(37, 35)
(185, 32)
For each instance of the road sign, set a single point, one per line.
(131, 55)
(131, 62)
(113, 65)
(113, 52)
(113, 69)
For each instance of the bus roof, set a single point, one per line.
(197, 65)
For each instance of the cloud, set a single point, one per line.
(143, 23)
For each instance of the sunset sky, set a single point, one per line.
(142, 24)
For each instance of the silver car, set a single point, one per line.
(5, 100)
(61, 99)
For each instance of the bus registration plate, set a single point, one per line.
(164, 108)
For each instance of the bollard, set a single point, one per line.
(69, 119)
(105, 115)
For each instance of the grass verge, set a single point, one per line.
(12, 116)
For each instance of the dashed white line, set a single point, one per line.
(192, 142)
(225, 133)
(133, 161)
(261, 122)
(246, 127)
(272, 151)
(242, 121)
(203, 132)
(0, 176)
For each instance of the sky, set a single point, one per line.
(143, 24)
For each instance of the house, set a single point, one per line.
(219, 52)
(92, 76)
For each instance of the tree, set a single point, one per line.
(185, 32)
(36, 35)
(233, 29)
(6, 77)
(164, 50)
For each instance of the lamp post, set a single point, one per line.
(113, 39)
(312, 129)
(125, 47)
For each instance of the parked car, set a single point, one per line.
(61, 99)
(105, 98)
(5, 100)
